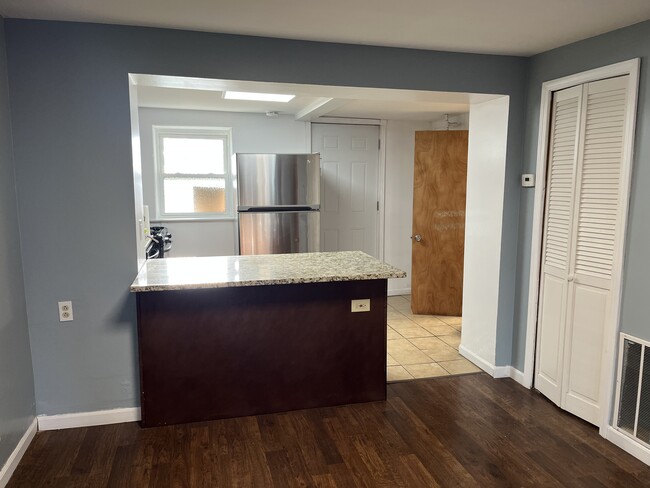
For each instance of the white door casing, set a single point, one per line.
(138, 195)
(584, 221)
(349, 191)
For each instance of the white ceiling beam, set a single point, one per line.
(320, 107)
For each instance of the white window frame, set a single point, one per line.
(222, 133)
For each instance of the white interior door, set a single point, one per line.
(583, 227)
(349, 194)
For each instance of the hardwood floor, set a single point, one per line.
(464, 431)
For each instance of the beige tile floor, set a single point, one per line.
(422, 346)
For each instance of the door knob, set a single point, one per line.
(417, 237)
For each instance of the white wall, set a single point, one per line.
(250, 133)
(486, 165)
(400, 154)
(461, 121)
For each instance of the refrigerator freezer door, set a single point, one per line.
(279, 232)
(278, 180)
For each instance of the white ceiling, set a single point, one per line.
(519, 27)
(311, 101)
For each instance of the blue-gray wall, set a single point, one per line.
(16, 378)
(620, 45)
(70, 115)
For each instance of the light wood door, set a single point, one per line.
(349, 176)
(583, 227)
(439, 186)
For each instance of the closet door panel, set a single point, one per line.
(596, 235)
(562, 166)
(561, 178)
(588, 309)
(600, 175)
(549, 363)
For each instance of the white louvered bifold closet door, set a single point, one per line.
(582, 231)
(562, 164)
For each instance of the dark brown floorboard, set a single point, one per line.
(459, 431)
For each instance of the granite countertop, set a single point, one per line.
(271, 269)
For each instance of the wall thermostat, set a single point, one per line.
(528, 180)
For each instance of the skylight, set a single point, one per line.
(261, 97)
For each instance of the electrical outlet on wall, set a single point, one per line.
(65, 311)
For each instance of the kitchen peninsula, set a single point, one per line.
(245, 335)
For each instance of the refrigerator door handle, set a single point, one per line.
(285, 208)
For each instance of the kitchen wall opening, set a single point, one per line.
(375, 146)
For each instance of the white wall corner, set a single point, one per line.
(486, 171)
(518, 376)
(501, 372)
(486, 366)
(14, 459)
(491, 369)
(88, 419)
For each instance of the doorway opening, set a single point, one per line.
(370, 192)
(427, 323)
(421, 345)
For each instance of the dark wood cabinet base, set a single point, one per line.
(228, 352)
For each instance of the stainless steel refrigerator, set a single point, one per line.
(278, 203)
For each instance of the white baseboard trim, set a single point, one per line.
(12, 463)
(491, 369)
(88, 419)
(478, 361)
(501, 372)
(509, 372)
(630, 446)
(399, 291)
(518, 376)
